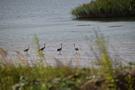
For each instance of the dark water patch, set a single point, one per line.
(113, 26)
(84, 25)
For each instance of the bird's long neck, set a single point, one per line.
(44, 45)
(74, 45)
(61, 46)
(28, 47)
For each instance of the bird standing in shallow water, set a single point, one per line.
(60, 49)
(27, 49)
(42, 49)
(76, 48)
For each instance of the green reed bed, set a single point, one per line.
(104, 76)
(105, 9)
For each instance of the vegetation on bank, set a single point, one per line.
(105, 9)
(106, 74)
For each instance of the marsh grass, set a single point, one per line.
(40, 54)
(105, 61)
(41, 76)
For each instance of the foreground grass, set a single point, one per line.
(66, 78)
(107, 75)
(105, 9)
(42, 78)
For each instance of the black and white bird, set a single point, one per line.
(42, 49)
(27, 49)
(60, 49)
(76, 48)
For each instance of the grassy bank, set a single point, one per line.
(109, 74)
(105, 9)
(66, 78)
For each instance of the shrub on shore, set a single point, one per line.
(105, 9)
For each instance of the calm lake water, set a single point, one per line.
(51, 20)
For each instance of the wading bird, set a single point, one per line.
(60, 49)
(42, 49)
(76, 48)
(27, 49)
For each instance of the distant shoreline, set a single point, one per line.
(105, 19)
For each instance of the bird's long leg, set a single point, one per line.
(60, 53)
(76, 52)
